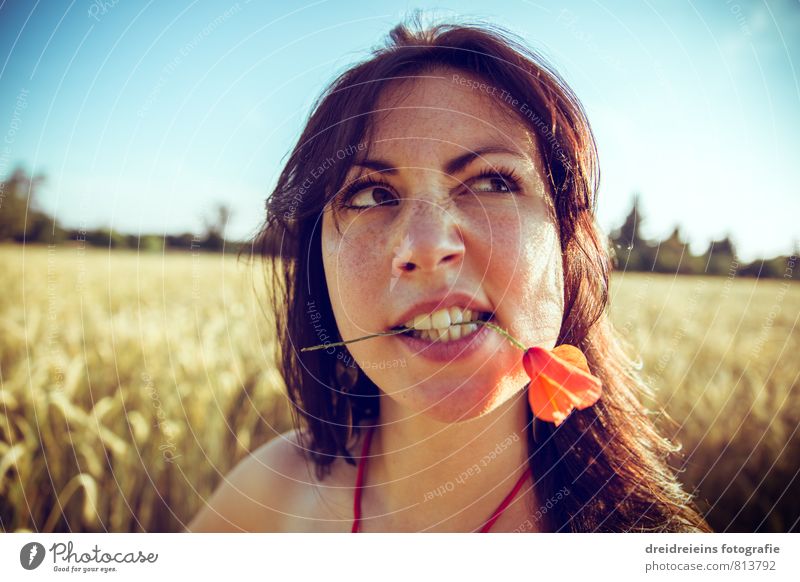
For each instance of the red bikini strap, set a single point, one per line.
(360, 480)
(362, 465)
(506, 502)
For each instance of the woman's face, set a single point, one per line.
(445, 227)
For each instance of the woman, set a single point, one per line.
(451, 177)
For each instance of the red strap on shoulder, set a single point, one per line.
(505, 503)
(362, 467)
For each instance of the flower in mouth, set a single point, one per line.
(561, 380)
(444, 325)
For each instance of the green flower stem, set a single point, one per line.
(352, 341)
(503, 332)
(489, 324)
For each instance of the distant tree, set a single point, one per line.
(102, 237)
(20, 219)
(215, 228)
(720, 258)
(185, 241)
(776, 268)
(724, 247)
(629, 234)
(672, 255)
(151, 243)
(631, 251)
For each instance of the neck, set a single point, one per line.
(434, 476)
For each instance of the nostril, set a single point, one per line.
(399, 267)
(449, 258)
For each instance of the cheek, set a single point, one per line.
(353, 275)
(526, 277)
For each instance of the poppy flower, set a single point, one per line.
(560, 378)
(560, 382)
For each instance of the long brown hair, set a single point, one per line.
(609, 460)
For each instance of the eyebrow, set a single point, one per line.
(453, 166)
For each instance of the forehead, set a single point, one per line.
(444, 109)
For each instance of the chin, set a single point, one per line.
(448, 404)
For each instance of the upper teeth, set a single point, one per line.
(441, 319)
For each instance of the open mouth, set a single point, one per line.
(445, 325)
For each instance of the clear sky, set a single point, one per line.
(143, 115)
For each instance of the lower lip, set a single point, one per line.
(446, 351)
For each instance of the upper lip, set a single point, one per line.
(427, 306)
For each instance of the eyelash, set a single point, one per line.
(356, 186)
(508, 175)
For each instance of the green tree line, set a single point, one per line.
(23, 222)
(632, 252)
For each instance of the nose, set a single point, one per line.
(427, 239)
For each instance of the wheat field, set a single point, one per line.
(131, 383)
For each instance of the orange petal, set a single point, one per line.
(548, 402)
(560, 382)
(572, 355)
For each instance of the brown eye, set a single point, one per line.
(369, 197)
(492, 185)
(496, 180)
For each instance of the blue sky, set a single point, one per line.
(143, 116)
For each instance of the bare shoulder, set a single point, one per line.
(260, 493)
